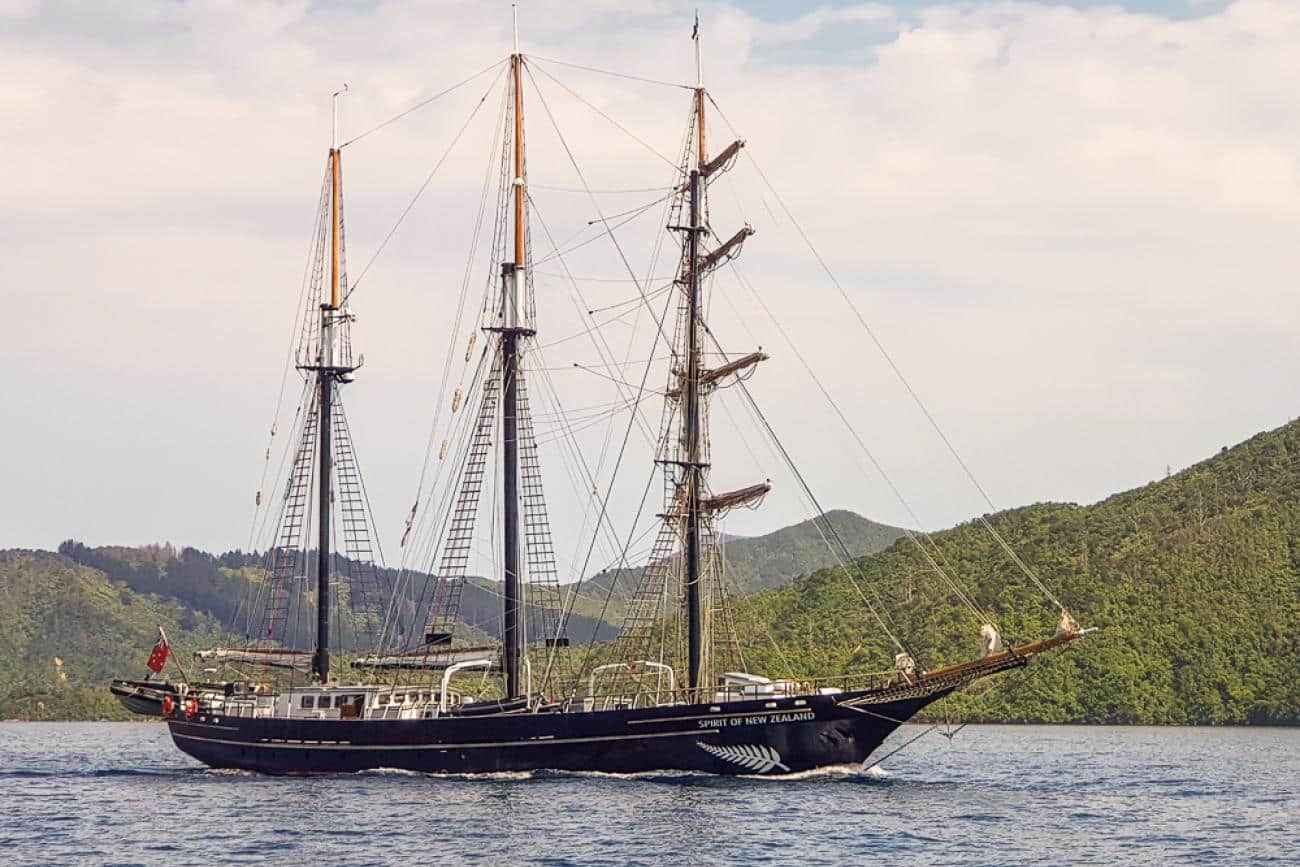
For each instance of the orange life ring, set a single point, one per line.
(191, 706)
(168, 705)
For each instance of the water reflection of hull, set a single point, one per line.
(790, 734)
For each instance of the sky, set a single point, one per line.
(1072, 225)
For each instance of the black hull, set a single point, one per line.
(743, 737)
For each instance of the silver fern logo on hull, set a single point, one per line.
(758, 758)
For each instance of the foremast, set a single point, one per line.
(332, 366)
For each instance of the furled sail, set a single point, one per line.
(299, 660)
(431, 660)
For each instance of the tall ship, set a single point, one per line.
(409, 681)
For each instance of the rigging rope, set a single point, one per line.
(847, 559)
(594, 108)
(642, 79)
(314, 251)
(641, 291)
(429, 531)
(621, 561)
(959, 591)
(556, 250)
(634, 419)
(422, 103)
(533, 185)
(419, 192)
(916, 398)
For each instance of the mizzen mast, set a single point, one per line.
(699, 506)
(691, 508)
(692, 434)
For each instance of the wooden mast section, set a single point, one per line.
(336, 225)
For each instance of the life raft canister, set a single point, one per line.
(191, 706)
(168, 705)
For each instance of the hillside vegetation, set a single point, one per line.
(1194, 581)
(53, 610)
(97, 609)
(758, 563)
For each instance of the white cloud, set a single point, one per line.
(19, 8)
(1074, 228)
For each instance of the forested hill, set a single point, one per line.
(1194, 581)
(66, 631)
(756, 563)
(97, 609)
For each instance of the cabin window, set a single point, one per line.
(340, 700)
(308, 702)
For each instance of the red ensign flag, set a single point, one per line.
(158, 658)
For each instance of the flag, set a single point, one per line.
(158, 657)
(695, 34)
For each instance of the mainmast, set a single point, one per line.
(513, 327)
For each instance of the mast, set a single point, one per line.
(691, 507)
(512, 329)
(325, 378)
(691, 405)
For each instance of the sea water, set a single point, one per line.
(120, 793)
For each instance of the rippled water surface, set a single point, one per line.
(120, 793)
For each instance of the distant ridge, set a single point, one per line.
(758, 563)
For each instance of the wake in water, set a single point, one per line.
(831, 772)
(402, 772)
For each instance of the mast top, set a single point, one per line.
(334, 116)
(699, 64)
(514, 12)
